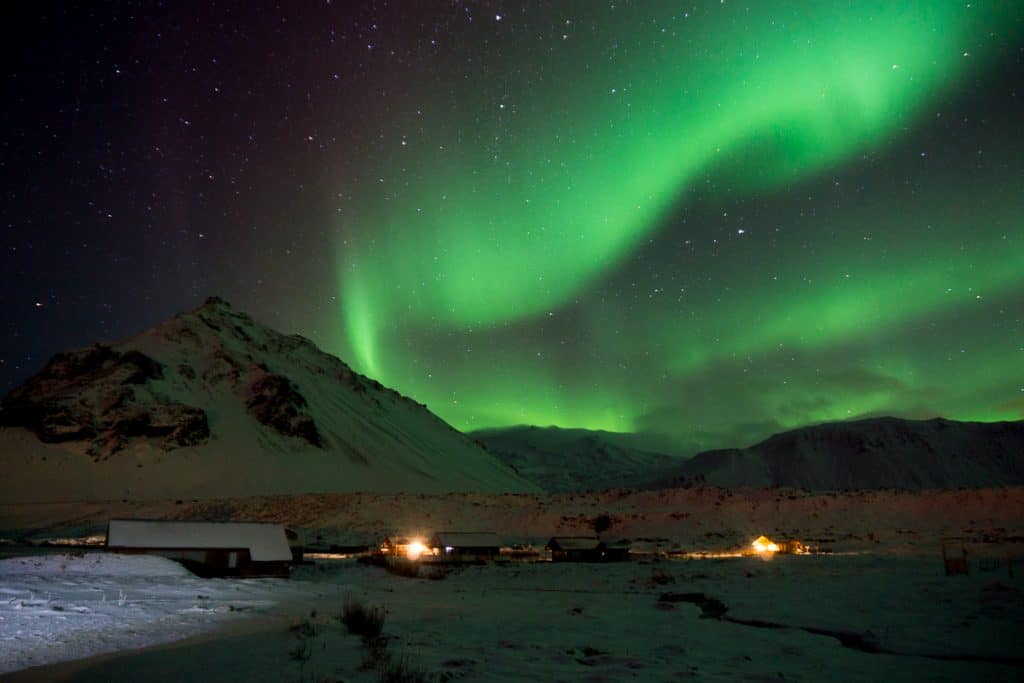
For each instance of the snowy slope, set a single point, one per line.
(871, 454)
(578, 459)
(211, 403)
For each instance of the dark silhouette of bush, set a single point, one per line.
(401, 671)
(361, 620)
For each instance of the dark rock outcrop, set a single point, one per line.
(93, 395)
(275, 401)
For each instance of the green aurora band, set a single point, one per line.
(493, 249)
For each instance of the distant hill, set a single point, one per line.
(870, 454)
(578, 459)
(213, 404)
(876, 453)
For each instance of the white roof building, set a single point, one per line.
(265, 542)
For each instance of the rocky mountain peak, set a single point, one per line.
(214, 302)
(104, 398)
(212, 401)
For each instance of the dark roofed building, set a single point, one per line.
(464, 546)
(586, 549)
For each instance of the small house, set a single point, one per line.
(586, 549)
(793, 547)
(615, 551)
(403, 547)
(464, 546)
(763, 544)
(244, 549)
(574, 548)
(393, 545)
(520, 551)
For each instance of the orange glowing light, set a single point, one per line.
(763, 544)
(415, 548)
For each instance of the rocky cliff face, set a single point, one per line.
(104, 398)
(276, 402)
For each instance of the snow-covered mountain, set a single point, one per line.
(870, 454)
(213, 404)
(579, 459)
(863, 454)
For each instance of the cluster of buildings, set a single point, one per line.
(263, 549)
(481, 546)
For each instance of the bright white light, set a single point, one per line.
(415, 549)
(764, 545)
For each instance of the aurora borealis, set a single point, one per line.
(710, 221)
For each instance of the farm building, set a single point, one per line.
(586, 549)
(615, 551)
(404, 547)
(794, 547)
(207, 548)
(520, 551)
(464, 546)
(763, 544)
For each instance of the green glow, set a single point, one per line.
(517, 198)
(850, 297)
(599, 414)
(360, 328)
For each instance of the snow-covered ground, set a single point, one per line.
(68, 606)
(635, 620)
(882, 589)
(786, 618)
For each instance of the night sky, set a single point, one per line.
(711, 220)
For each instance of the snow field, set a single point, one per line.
(851, 617)
(60, 607)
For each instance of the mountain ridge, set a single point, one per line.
(869, 453)
(212, 403)
(571, 459)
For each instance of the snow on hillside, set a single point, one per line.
(211, 403)
(577, 459)
(870, 454)
(865, 454)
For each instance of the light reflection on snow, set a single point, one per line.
(67, 606)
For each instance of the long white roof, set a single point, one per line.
(266, 542)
